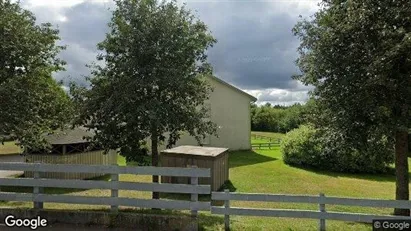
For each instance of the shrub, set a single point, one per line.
(328, 149)
(301, 147)
(374, 156)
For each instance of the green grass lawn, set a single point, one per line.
(271, 175)
(9, 147)
(263, 171)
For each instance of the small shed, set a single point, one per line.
(70, 146)
(213, 158)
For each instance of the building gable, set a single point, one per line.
(237, 90)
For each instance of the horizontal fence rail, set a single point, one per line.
(264, 145)
(321, 200)
(271, 142)
(90, 184)
(132, 202)
(106, 169)
(311, 200)
(38, 197)
(270, 139)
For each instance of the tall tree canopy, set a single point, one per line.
(279, 118)
(357, 54)
(152, 81)
(32, 103)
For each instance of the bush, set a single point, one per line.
(327, 149)
(301, 147)
(374, 156)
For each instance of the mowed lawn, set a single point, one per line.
(263, 171)
(9, 147)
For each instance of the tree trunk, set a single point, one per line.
(401, 170)
(154, 158)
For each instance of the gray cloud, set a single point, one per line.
(255, 50)
(81, 27)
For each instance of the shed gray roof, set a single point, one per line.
(195, 150)
(69, 136)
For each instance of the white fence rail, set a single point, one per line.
(38, 184)
(114, 201)
(321, 214)
(264, 145)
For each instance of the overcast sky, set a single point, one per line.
(256, 50)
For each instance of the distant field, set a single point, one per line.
(9, 147)
(269, 134)
(265, 137)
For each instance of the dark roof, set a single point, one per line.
(69, 136)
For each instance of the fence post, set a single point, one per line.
(114, 192)
(37, 190)
(194, 198)
(227, 207)
(322, 211)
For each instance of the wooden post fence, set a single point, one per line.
(38, 197)
(194, 196)
(114, 192)
(322, 215)
(321, 226)
(36, 189)
(227, 216)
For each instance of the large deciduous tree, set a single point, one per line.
(31, 102)
(152, 81)
(357, 54)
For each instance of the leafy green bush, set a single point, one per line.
(301, 147)
(327, 149)
(374, 156)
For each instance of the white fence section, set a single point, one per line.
(321, 200)
(38, 183)
(114, 201)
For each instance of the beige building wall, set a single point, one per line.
(230, 110)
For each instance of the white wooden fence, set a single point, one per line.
(270, 139)
(264, 145)
(321, 200)
(38, 197)
(38, 183)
